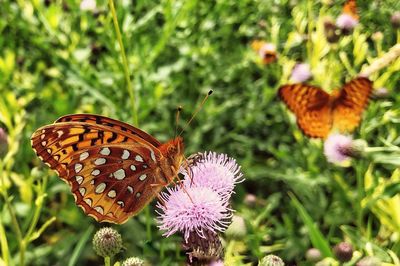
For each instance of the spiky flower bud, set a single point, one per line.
(271, 260)
(331, 31)
(107, 242)
(133, 261)
(237, 229)
(250, 200)
(313, 255)
(369, 261)
(395, 20)
(343, 251)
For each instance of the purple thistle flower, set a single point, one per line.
(216, 171)
(217, 263)
(346, 22)
(88, 5)
(301, 73)
(337, 148)
(193, 209)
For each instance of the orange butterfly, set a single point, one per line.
(266, 51)
(350, 8)
(113, 169)
(318, 112)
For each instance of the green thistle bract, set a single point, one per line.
(107, 242)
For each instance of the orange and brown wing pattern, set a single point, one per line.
(351, 102)
(350, 8)
(312, 108)
(109, 122)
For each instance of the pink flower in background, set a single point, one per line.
(337, 148)
(88, 5)
(346, 22)
(301, 73)
(216, 171)
(217, 263)
(192, 210)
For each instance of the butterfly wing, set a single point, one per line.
(350, 103)
(109, 122)
(350, 8)
(64, 144)
(312, 108)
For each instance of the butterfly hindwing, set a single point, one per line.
(113, 182)
(352, 100)
(311, 105)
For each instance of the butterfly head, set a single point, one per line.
(173, 151)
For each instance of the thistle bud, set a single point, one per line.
(107, 242)
(395, 20)
(313, 255)
(368, 261)
(3, 142)
(332, 32)
(133, 261)
(250, 200)
(271, 260)
(377, 36)
(343, 251)
(237, 229)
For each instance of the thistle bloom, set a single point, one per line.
(301, 73)
(337, 148)
(346, 22)
(88, 5)
(216, 171)
(217, 263)
(192, 210)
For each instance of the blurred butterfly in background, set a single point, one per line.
(350, 8)
(318, 112)
(265, 50)
(113, 169)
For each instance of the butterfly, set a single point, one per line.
(113, 169)
(318, 112)
(266, 51)
(350, 8)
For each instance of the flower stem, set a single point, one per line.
(107, 261)
(124, 62)
(383, 61)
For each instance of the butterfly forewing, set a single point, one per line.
(350, 8)
(109, 122)
(311, 106)
(350, 104)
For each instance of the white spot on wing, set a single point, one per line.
(95, 172)
(44, 142)
(79, 179)
(78, 167)
(88, 202)
(130, 189)
(121, 203)
(100, 161)
(83, 156)
(125, 155)
(133, 167)
(100, 188)
(119, 174)
(138, 158)
(138, 195)
(82, 190)
(99, 209)
(112, 193)
(142, 177)
(152, 155)
(42, 136)
(60, 133)
(105, 151)
(48, 151)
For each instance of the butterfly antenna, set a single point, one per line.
(195, 112)
(178, 112)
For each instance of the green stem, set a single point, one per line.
(107, 261)
(124, 62)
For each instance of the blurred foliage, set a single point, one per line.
(56, 59)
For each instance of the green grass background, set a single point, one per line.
(56, 59)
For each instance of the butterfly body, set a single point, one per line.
(112, 168)
(318, 112)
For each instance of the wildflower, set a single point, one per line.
(265, 50)
(133, 261)
(271, 260)
(216, 171)
(380, 93)
(395, 20)
(3, 142)
(193, 209)
(301, 73)
(339, 148)
(346, 22)
(313, 255)
(237, 229)
(369, 261)
(250, 200)
(377, 36)
(88, 5)
(217, 263)
(107, 242)
(343, 251)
